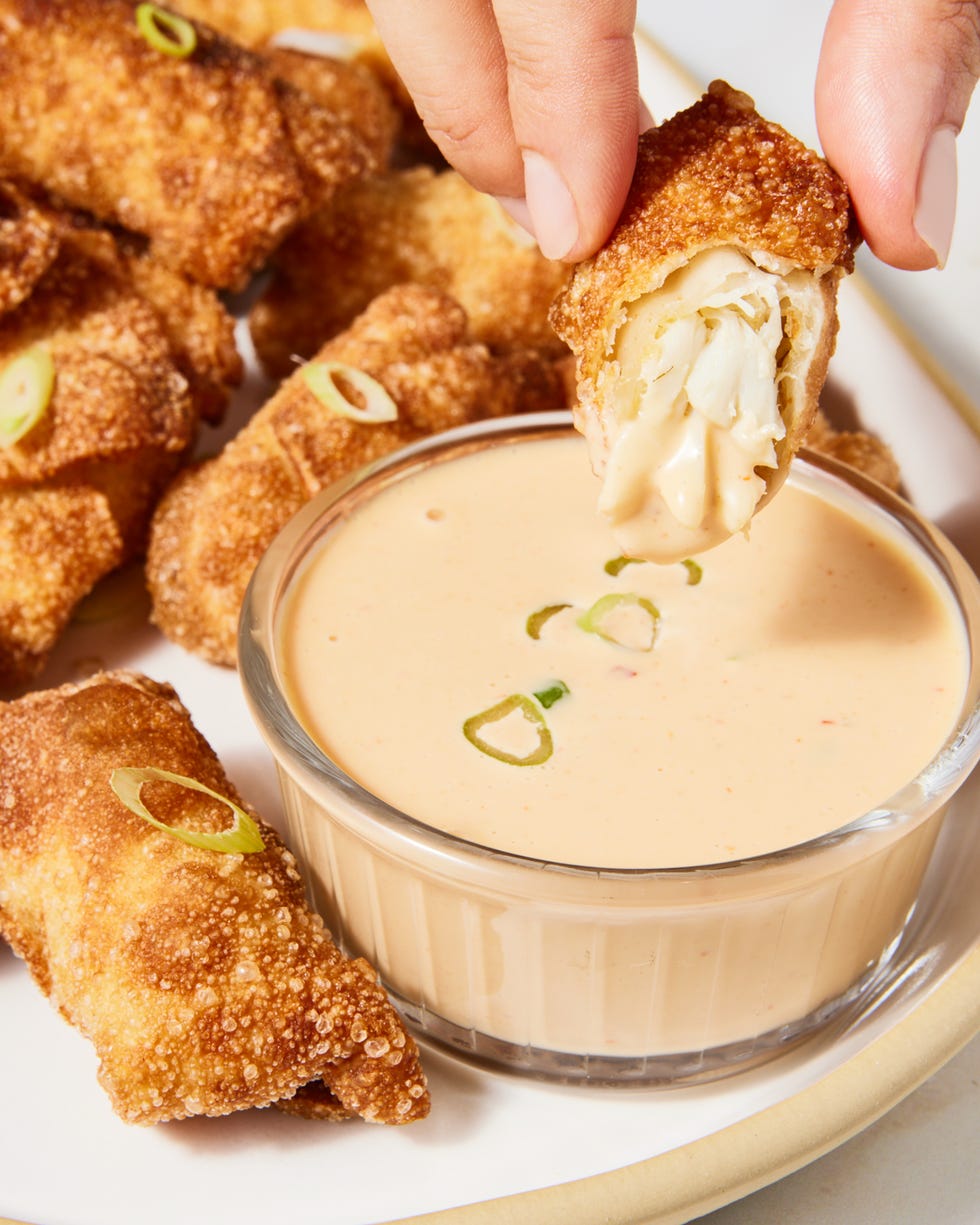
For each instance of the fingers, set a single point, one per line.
(574, 104)
(535, 101)
(450, 57)
(893, 86)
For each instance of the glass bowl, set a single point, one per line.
(653, 976)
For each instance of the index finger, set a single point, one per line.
(574, 106)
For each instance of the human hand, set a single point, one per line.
(893, 85)
(533, 101)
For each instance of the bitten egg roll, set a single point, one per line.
(201, 977)
(206, 153)
(406, 225)
(411, 350)
(703, 327)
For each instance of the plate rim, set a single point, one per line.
(707, 1173)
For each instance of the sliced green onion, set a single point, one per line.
(536, 621)
(598, 620)
(551, 694)
(242, 838)
(694, 571)
(321, 378)
(616, 564)
(165, 31)
(496, 714)
(26, 385)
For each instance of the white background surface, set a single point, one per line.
(920, 1162)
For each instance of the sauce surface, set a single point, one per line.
(812, 669)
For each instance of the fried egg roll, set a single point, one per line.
(703, 327)
(202, 978)
(28, 245)
(216, 519)
(96, 416)
(207, 152)
(409, 225)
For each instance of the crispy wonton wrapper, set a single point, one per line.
(217, 519)
(203, 979)
(856, 448)
(409, 225)
(703, 327)
(77, 490)
(211, 156)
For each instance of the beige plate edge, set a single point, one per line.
(717, 1169)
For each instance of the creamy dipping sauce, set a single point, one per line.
(812, 670)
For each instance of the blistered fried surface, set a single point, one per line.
(203, 980)
(211, 156)
(856, 448)
(349, 90)
(28, 245)
(351, 35)
(715, 174)
(412, 225)
(56, 542)
(199, 330)
(217, 519)
(77, 490)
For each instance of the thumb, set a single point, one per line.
(893, 86)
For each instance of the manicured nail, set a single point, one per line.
(550, 205)
(517, 210)
(935, 203)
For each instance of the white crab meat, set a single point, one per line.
(703, 375)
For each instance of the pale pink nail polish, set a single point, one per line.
(550, 205)
(516, 208)
(935, 203)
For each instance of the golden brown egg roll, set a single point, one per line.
(202, 978)
(257, 23)
(199, 329)
(856, 448)
(703, 327)
(77, 489)
(217, 518)
(348, 90)
(410, 225)
(210, 156)
(28, 245)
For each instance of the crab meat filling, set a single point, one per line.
(697, 369)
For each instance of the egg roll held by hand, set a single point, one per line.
(703, 327)
(405, 368)
(191, 141)
(201, 977)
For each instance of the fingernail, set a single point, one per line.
(935, 202)
(550, 205)
(517, 210)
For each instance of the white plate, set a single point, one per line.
(511, 1149)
